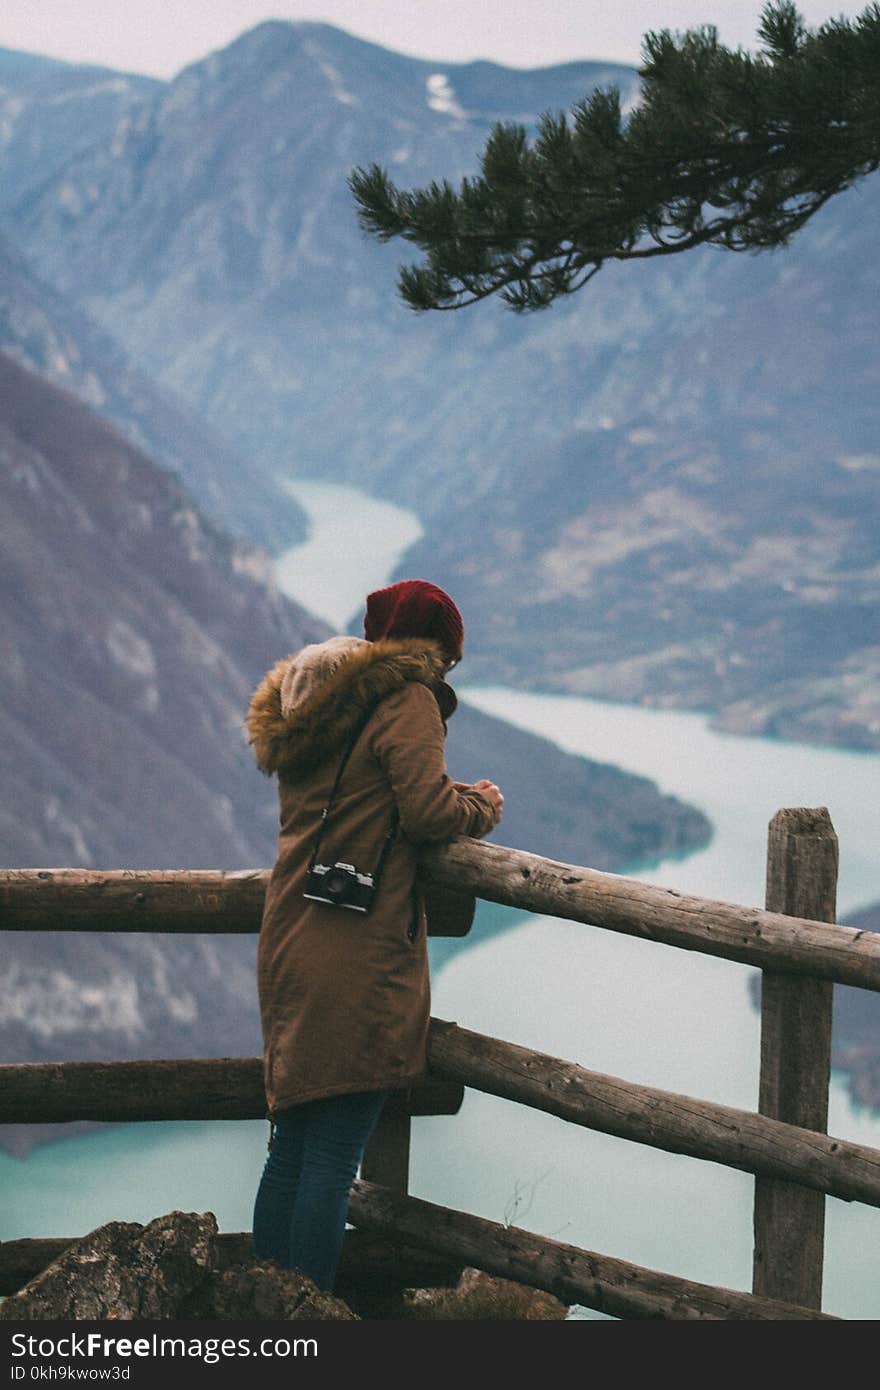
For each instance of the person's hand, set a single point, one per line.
(492, 794)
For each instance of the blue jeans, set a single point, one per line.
(302, 1201)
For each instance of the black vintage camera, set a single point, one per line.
(341, 885)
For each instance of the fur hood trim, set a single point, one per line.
(309, 703)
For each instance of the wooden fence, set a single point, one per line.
(793, 940)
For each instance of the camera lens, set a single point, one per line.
(334, 883)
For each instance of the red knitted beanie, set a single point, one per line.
(415, 608)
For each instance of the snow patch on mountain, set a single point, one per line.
(332, 74)
(118, 85)
(68, 829)
(12, 109)
(441, 96)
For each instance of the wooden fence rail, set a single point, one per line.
(411, 1242)
(232, 1089)
(199, 1088)
(612, 1286)
(217, 901)
(769, 940)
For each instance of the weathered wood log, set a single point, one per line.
(449, 912)
(221, 1088)
(216, 901)
(162, 900)
(661, 1119)
(21, 1260)
(753, 936)
(612, 1286)
(789, 1222)
(171, 900)
(386, 1157)
(365, 1260)
(435, 1096)
(231, 1088)
(216, 1088)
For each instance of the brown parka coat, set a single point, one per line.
(344, 996)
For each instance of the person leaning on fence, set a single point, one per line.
(344, 993)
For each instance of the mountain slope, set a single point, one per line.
(133, 633)
(44, 331)
(51, 112)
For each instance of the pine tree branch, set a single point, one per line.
(723, 149)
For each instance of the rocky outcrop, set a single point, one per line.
(262, 1292)
(122, 1270)
(171, 1268)
(479, 1295)
(179, 1267)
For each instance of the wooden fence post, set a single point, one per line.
(789, 1220)
(386, 1157)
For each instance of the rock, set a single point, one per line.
(480, 1295)
(178, 1267)
(375, 1271)
(263, 1292)
(175, 1267)
(122, 1270)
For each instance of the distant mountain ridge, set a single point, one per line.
(676, 470)
(51, 112)
(16, 63)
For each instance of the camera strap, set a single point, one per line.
(392, 829)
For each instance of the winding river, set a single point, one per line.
(649, 1013)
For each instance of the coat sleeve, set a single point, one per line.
(409, 745)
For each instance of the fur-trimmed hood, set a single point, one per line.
(306, 707)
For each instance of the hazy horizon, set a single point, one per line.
(159, 37)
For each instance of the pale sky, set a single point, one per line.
(162, 36)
